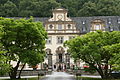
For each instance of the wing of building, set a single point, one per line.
(61, 27)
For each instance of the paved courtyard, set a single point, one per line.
(59, 76)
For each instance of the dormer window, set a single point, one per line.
(110, 28)
(97, 25)
(69, 26)
(119, 21)
(109, 21)
(83, 22)
(50, 26)
(83, 29)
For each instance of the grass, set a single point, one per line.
(88, 78)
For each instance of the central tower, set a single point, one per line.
(59, 28)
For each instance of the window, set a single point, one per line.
(69, 26)
(49, 40)
(48, 51)
(59, 26)
(50, 26)
(109, 21)
(83, 22)
(119, 21)
(60, 57)
(110, 29)
(97, 27)
(71, 37)
(83, 29)
(60, 40)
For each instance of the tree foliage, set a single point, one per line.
(98, 49)
(43, 8)
(23, 39)
(4, 66)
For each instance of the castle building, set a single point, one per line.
(60, 28)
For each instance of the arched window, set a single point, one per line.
(60, 50)
(48, 51)
(60, 53)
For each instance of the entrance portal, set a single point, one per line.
(60, 55)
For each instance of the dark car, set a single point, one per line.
(116, 74)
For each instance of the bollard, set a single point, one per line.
(38, 76)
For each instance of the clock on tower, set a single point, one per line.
(59, 16)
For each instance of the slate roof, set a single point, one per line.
(113, 19)
(114, 25)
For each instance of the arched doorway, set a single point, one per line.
(60, 59)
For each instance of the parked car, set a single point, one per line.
(116, 74)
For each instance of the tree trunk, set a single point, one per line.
(19, 76)
(103, 72)
(100, 71)
(13, 72)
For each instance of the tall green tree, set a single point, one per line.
(23, 39)
(91, 48)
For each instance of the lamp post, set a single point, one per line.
(49, 61)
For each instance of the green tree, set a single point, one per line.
(26, 8)
(4, 66)
(108, 7)
(23, 39)
(10, 9)
(115, 60)
(91, 48)
(43, 8)
(3, 1)
(40, 8)
(89, 9)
